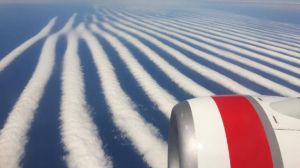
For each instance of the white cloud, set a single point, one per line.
(79, 133)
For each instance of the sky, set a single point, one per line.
(158, 3)
(155, 1)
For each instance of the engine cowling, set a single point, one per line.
(235, 132)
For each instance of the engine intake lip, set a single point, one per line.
(182, 139)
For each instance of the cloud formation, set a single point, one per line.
(79, 133)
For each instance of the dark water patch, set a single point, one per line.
(116, 145)
(15, 77)
(44, 148)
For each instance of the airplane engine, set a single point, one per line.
(235, 132)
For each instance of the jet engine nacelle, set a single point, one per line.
(235, 132)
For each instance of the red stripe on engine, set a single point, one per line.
(247, 141)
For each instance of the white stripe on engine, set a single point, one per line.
(210, 133)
